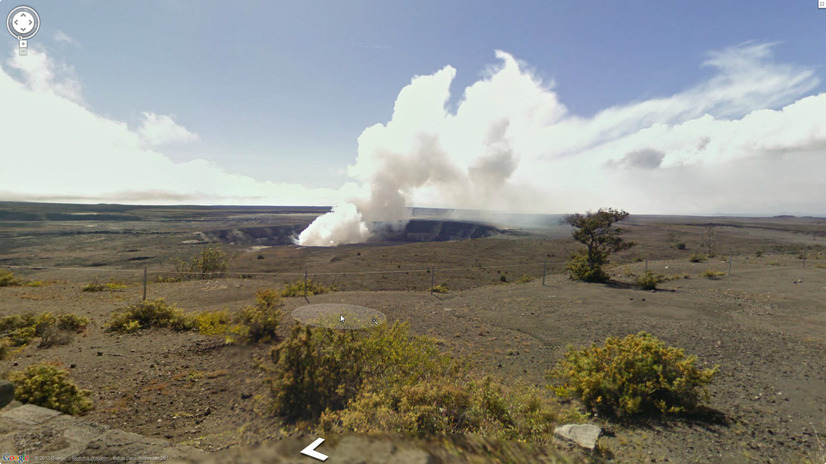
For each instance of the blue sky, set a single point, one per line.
(280, 92)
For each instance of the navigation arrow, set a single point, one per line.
(310, 450)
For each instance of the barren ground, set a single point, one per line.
(765, 325)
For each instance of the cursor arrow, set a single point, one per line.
(341, 317)
(311, 452)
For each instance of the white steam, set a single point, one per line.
(340, 226)
(745, 141)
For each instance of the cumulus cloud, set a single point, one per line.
(161, 129)
(53, 148)
(747, 141)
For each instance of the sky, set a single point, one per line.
(695, 108)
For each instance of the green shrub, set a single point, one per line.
(7, 279)
(146, 314)
(582, 270)
(709, 274)
(49, 386)
(758, 253)
(297, 288)
(649, 280)
(210, 263)
(635, 375)
(681, 246)
(441, 288)
(695, 258)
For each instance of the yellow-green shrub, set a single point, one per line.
(649, 280)
(297, 288)
(384, 379)
(8, 279)
(441, 288)
(525, 279)
(709, 274)
(149, 313)
(5, 348)
(49, 386)
(581, 269)
(212, 322)
(316, 369)
(695, 258)
(450, 404)
(94, 286)
(69, 321)
(259, 323)
(22, 328)
(635, 375)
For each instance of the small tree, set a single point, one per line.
(210, 263)
(593, 229)
(708, 239)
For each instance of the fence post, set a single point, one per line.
(730, 258)
(305, 284)
(804, 258)
(144, 283)
(432, 278)
(544, 270)
(646, 266)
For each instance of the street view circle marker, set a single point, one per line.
(339, 316)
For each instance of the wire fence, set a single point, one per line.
(433, 278)
(420, 278)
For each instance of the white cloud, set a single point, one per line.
(161, 129)
(65, 39)
(42, 75)
(54, 148)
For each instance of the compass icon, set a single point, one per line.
(23, 23)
